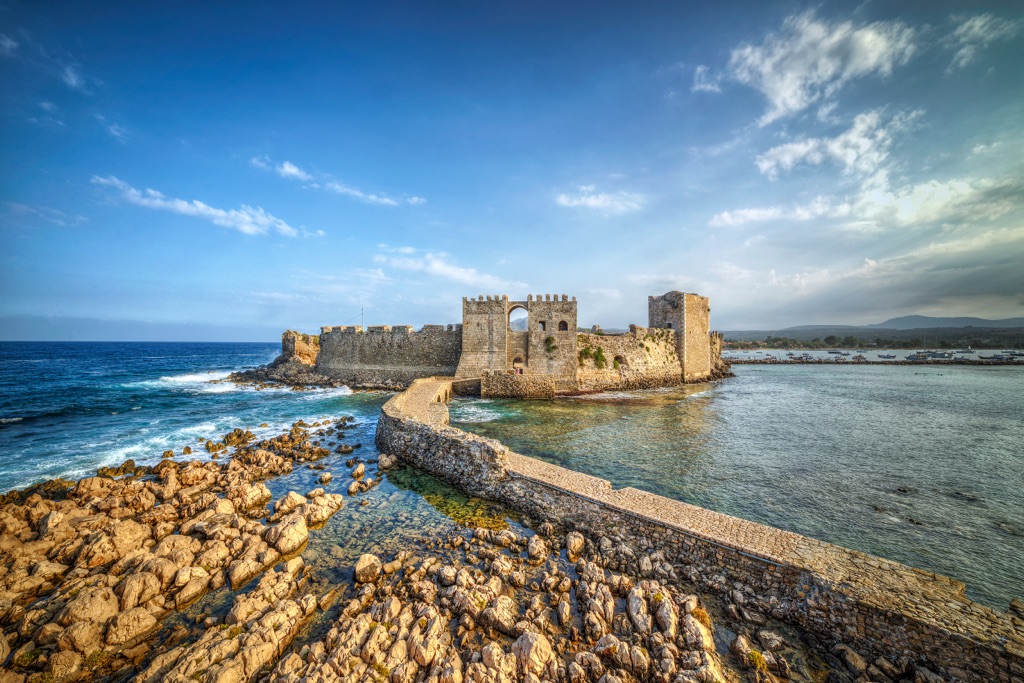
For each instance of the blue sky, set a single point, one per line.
(227, 170)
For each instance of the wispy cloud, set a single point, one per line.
(820, 207)
(976, 33)
(810, 59)
(702, 82)
(72, 78)
(588, 197)
(439, 265)
(8, 46)
(291, 171)
(880, 205)
(249, 220)
(116, 130)
(863, 149)
(46, 213)
(349, 191)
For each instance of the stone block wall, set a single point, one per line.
(389, 357)
(878, 607)
(644, 358)
(505, 385)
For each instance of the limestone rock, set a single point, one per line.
(288, 503)
(368, 568)
(533, 652)
(130, 626)
(289, 534)
(574, 545)
(83, 637)
(64, 666)
(97, 604)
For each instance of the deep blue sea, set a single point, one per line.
(923, 465)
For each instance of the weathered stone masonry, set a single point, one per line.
(549, 358)
(876, 606)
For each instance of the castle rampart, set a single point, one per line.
(546, 359)
(388, 356)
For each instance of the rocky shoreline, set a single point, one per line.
(186, 572)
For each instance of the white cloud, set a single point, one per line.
(975, 34)
(287, 169)
(8, 45)
(249, 220)
(819, 207)
(343, 189)
(72, 78)
(811, 59)
(862, 149)
(983, 149)
(416, 201)
(438, 265)
(702, 82)
(610, 203)
(48, 106)
(262, 162)
(879, 206)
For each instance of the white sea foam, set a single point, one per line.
(197, 377)
(475, 412)
(9, 420)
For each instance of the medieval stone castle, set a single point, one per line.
(550, 357)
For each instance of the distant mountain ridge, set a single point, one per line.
(916, 322)
(1007, 330)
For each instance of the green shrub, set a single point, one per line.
(549, 344)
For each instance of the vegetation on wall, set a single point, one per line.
(549, 344)
(596, 355)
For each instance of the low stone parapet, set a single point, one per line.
(838, 595)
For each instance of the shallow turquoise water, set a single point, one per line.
(922, 465)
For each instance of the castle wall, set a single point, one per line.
(878, 607)
(385, 356)
(643, 358)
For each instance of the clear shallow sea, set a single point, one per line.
(922, 465)
(846, 454)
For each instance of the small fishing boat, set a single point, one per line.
(887, 356)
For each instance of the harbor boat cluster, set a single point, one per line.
(965, 356)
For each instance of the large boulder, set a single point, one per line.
(368, 568)
(130, 626)
(137, 589)
(288, 535)
(533, 653)
(96, 604)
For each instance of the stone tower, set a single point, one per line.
(546, 347)
(689, 316)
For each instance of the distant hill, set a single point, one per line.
(917, 322)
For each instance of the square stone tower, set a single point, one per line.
(546, 347)
(689, 315)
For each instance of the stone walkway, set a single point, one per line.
(889, 586)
